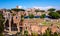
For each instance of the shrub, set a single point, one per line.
(43, 16)
(31, 16)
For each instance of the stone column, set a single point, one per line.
(9, 26)
(18, 27)
(10, 23)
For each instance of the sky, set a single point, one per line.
(43, 4)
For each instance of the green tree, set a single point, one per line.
(1, 24)
(51, 9)
(17, 10)
(22, 16)
(31, 16)
(54, 15)
(58, 11)
(43, 16)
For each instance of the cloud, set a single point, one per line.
(20, 6)
(43, 8)
(49, 7)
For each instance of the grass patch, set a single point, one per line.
(46, 23)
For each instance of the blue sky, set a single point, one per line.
(29, 3)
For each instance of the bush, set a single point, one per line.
(22, 16)
(34, 34)
(1, 24)
(1, 28)
(26, 33)
(43, 16)
(31, 16)
(55, 34)
(1, 34)
(48, 32)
